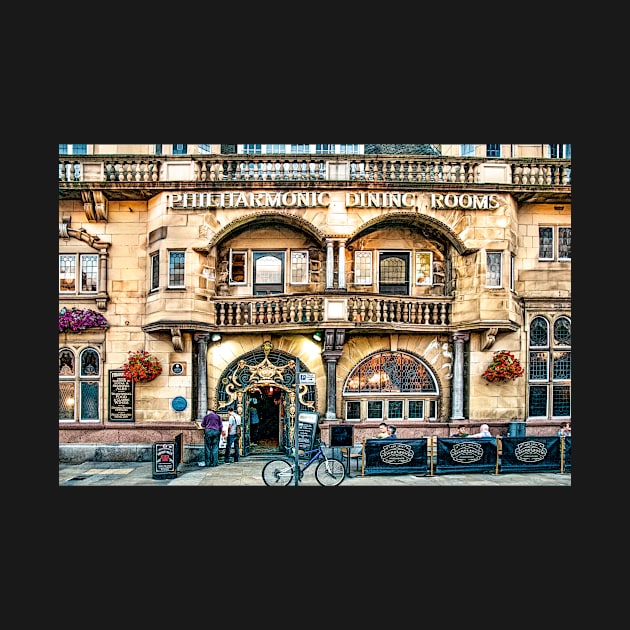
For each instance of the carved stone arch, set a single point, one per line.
(267, 218)
(434, 228)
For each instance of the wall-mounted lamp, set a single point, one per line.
(558, 208)
(317, 336)
(215, 337)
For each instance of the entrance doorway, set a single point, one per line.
(271, 406)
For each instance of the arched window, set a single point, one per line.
(391, 386)
(79, 389)
(549, 369)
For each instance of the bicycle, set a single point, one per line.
(330, 471)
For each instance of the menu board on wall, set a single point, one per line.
(120, 397)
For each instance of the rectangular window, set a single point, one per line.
(561, 366)
(362, 268)
(395, 409)
(538, 366)
(538, 401)
(416, 409)
(512, 271)
(560, 151)
(424, 267)
(300, 148)
(275, 148)
(548, 236)
(155, 271)
(561, 403)
(158, 149)
(493, 150)
(89, 273)
(299, 267)
(238, 267)
(180, 149)
(564, 243)
(467, 150)
(73, 149)
(176, 269)
(67, 273)
(349, 149)
(433, 410)
(252, 149)
(375, 410)
(204, 148)
(325, 149)
(353, 410)
(494, 269)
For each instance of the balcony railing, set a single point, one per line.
(281, 311)
(239, 168)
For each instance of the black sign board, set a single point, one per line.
(341, 435)
(307, 424)
(165, 458)
(120, 397)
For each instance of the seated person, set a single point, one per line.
(484, 431)
(391, 433)
(565, 430)
(382, 431)
(461, 432)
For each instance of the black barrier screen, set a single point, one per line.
(341, 435)
(535, 454)
(567, 454)
(462, 455)
(393, 457)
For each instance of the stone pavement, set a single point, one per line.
(247, 472)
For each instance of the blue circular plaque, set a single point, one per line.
(179, 403)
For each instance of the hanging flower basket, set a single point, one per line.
(78, 319)
(141, 367)
(504, 367)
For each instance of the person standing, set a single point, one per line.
(233, 436)
(211, 425)
(253, 418)
(391, 433)
(461, 431)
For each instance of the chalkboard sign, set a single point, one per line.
(120, 397)
(307, 424)
(341, 435)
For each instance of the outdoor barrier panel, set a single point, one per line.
(463, 455)
(402, 455)
(530, 454)
(566, 453)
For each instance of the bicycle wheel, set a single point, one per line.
(277, 472)
(330, 472)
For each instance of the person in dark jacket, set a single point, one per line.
(391, 433)
(211, 425)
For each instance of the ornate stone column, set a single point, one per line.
(457, 393)
(202, 374)
(341, 272)
(333, 347)
(330, 265)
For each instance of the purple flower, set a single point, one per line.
(79, 319)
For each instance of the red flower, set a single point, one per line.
(504, 367)
(141, 367)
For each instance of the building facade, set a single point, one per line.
(346, 284)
